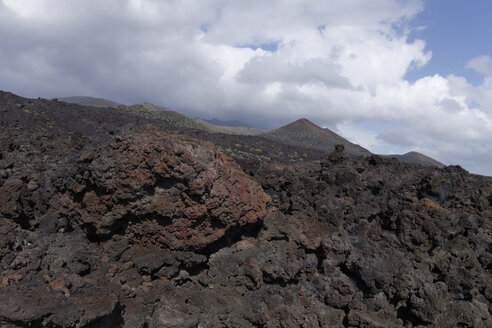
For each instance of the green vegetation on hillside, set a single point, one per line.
(301, 133)
(239, 130)
(172, 118)
(178, 120)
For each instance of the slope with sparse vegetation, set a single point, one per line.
(90, 101)
(418, 158)
(305, 133)
(302, 136)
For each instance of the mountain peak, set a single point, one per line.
(305, 133)
(418, 158)
(304, 123)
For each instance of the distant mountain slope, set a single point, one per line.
(43, 115)
(301, 133)
(305, 133)
(178, 120)
(230, 123)
(172, 118)
(90, 101)
(243, 130)
(418, 158)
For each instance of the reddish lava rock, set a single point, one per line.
(166, 190)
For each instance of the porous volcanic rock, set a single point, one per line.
(71, 206)
(397, 244)
(135, 227)
(164, 189)
(168, 191)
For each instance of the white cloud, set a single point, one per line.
(340, 63)
(480, 64)
(363, 137)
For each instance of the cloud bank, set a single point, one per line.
(342, 64)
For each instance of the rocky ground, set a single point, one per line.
(128, 225)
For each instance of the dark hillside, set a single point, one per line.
(232, 123)
(305, 133)
(168, 117)
(300, 134)
(257, 148)
(90, 101)
(418, 158)
(49, 116)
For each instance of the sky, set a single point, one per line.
(391, 75)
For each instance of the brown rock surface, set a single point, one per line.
(166, 190)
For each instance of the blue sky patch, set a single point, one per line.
(455, 31)
(267, 46)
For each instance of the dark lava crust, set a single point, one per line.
(108, 223)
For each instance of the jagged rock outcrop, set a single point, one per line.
(397, 244)
(145, 196)
(164, 189)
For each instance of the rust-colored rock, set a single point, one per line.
(10, 278)
(166, 189)
(58, 285)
